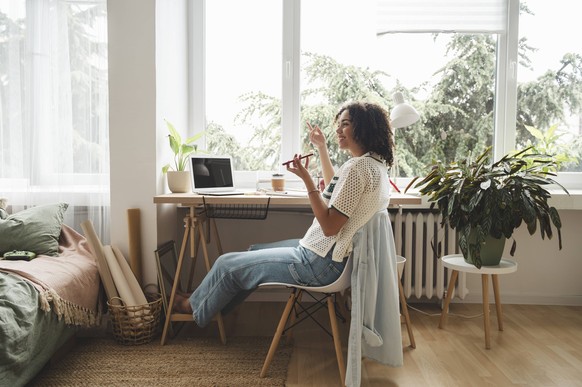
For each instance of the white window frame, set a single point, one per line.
(506, 84)
(505, 89)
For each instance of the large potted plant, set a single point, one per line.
(178, 177)
(485, 202)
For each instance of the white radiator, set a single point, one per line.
(424, 275)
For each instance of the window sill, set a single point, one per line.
(563, 201)
(559, 199)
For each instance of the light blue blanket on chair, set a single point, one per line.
(375, 330)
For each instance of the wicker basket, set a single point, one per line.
(134, 325)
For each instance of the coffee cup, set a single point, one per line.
(278, 182)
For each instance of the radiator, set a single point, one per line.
(415, 231)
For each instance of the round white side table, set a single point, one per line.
(456, 263)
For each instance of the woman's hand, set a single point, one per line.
(299, 169)
(316, 136)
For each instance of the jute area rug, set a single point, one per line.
(196, 361)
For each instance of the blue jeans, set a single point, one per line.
(234, 276)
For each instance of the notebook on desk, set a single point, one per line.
(212, 175)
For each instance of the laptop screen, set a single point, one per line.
(211, 172)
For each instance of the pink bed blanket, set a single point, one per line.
(69, 282)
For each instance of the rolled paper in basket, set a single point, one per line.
(134, 232)
(102, 265)
(118, 278)
(136, 291)
(121, 283)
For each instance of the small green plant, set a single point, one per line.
(182, 150)
(478, 198)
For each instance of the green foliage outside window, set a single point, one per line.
(457, 116)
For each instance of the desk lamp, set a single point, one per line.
(401, 115)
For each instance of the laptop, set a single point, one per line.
(212, 175)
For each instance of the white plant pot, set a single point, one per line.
(179, 181)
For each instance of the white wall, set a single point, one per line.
(132, 122)
(545, 274)
(147, 86)
(171, 104)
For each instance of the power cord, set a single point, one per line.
(450, 314)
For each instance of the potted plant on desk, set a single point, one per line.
(486, 202)
(178, 177)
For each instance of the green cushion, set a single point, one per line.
(35, 229)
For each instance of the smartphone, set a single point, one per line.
(302, 157)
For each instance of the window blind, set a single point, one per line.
(470, 16)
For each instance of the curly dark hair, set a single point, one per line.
(371, 128)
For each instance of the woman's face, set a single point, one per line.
(345, 135)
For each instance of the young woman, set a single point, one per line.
(351, 197)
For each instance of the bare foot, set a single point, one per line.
(183, 294)
(182, 304)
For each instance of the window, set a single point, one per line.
(53, 106)
(549, 112)
(363, 62)
(243, 81)
(454, 61)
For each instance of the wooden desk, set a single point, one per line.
(191, 199)
(193, 226)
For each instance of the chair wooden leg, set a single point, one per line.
(342, 300)
(336, 340)
(293, 317)
(221, 328)
(404, 307)
(279, 332)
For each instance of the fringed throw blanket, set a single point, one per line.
(69, 282)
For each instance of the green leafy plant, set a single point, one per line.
(479, 199)
(182, 150)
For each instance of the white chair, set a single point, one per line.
(400, 261)
(295, 309)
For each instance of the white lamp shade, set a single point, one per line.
(402, 114)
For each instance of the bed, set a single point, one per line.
(44, 302)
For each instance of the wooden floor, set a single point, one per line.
(540, 346)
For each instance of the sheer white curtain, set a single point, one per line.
(53, 107)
